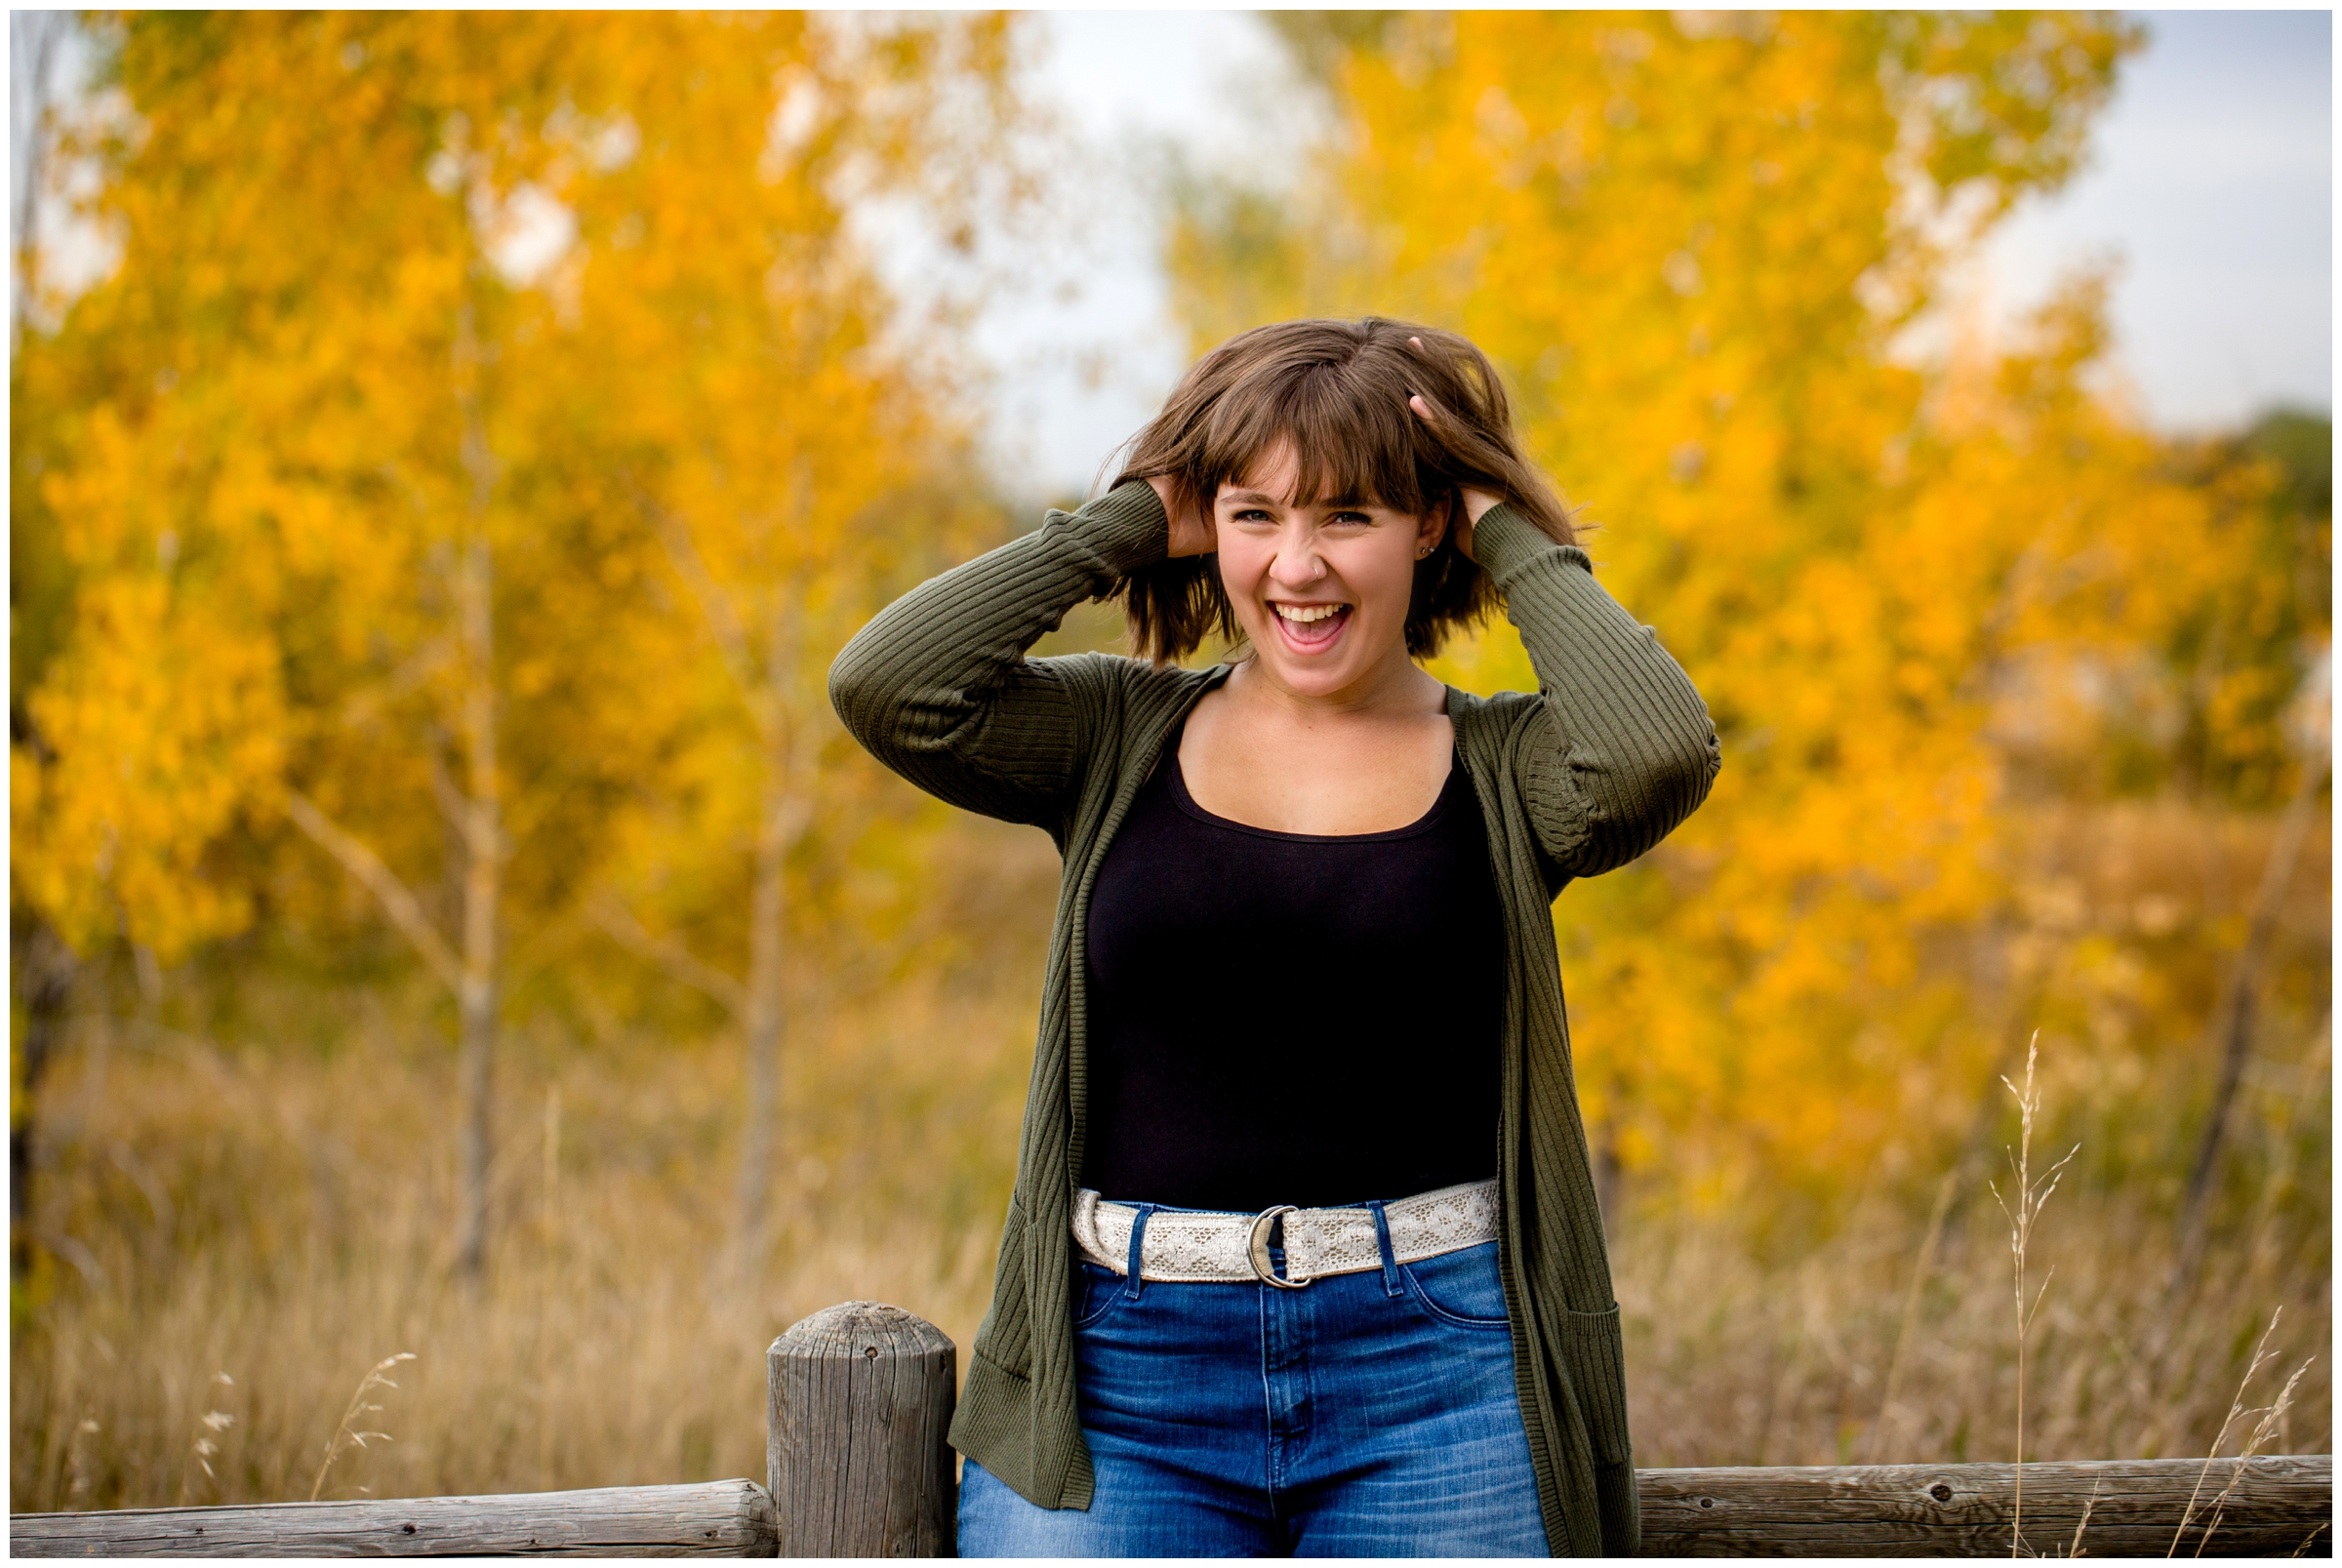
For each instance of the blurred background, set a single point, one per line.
(446, 919)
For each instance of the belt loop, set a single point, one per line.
(1381, 1240)
(1138, 1244)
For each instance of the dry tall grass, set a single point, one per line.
(1734, 1357)
(282, 1216)
(287, 1223)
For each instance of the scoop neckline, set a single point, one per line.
(1425, 824)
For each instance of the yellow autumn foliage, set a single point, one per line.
(144, 776)
(1709, 251)
(491, 429)
(327, 367)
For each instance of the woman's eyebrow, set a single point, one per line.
(1259, 498)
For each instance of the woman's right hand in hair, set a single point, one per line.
(1470, 504)
(1190, 531)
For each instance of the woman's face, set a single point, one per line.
(1321, 590)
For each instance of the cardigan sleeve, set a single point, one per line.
(937, 687)
(1617, 747)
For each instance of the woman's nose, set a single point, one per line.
(1298, 563)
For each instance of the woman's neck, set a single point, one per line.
(1355, 761)
(1396, 688)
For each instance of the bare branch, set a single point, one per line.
(615, 919)
(365, 705)
(453, 803)
(402, 906)
(715, 609)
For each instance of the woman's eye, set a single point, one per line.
(1251, 514)
(1352, 518)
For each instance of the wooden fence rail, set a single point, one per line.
(859, 1398)
(2280, 1506)
(713, 1519)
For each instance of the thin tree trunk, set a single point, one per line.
(482, 883)
(782, 810)
(767, 907)
(2231, 1019)
(785, 805)
(45, 968)
(482, 829)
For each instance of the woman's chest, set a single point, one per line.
(1330, 778)
(1293, 913)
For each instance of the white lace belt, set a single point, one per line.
(1201, 1247)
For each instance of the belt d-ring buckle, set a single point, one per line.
(1261, 1264)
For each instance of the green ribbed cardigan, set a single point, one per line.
(1614, 749)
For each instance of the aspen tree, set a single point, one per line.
(438, 344)
(781, 452)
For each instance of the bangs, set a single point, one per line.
(1352, 439)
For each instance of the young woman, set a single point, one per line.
(1303, 1256)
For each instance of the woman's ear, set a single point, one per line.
(1435, 524)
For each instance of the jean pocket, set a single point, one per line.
(1460, 1288)
(1095, 1293)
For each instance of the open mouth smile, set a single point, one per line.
(1310, 627)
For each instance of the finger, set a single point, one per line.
(1418, 343)
(1423, 410)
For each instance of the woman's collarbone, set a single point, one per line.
(1320, 785)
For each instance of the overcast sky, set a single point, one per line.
(2210, 185)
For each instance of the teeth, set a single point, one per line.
(1307, 612)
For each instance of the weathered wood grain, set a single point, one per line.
(2280, 1506)
(861, 1396)
(710, 1519)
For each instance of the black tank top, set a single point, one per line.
(1288, 1017)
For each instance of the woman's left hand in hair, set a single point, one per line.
(1470, 504)
(1191, 532)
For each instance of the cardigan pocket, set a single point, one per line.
(1005, 1337)
(1598, 1378)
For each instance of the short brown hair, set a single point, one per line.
(1336, 390)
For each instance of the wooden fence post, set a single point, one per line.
(861, 1396)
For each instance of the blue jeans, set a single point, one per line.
(1363, 1415)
